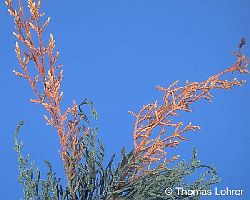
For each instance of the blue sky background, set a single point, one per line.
(115, 53)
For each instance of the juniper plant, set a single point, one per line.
(143, 172)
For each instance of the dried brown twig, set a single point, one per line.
(149, 149)
(45, 80)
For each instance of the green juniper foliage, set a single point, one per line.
(93, 181)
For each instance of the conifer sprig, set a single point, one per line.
(142, 171)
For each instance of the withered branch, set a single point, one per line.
(158, 118)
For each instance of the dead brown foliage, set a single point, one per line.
(152, 150)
